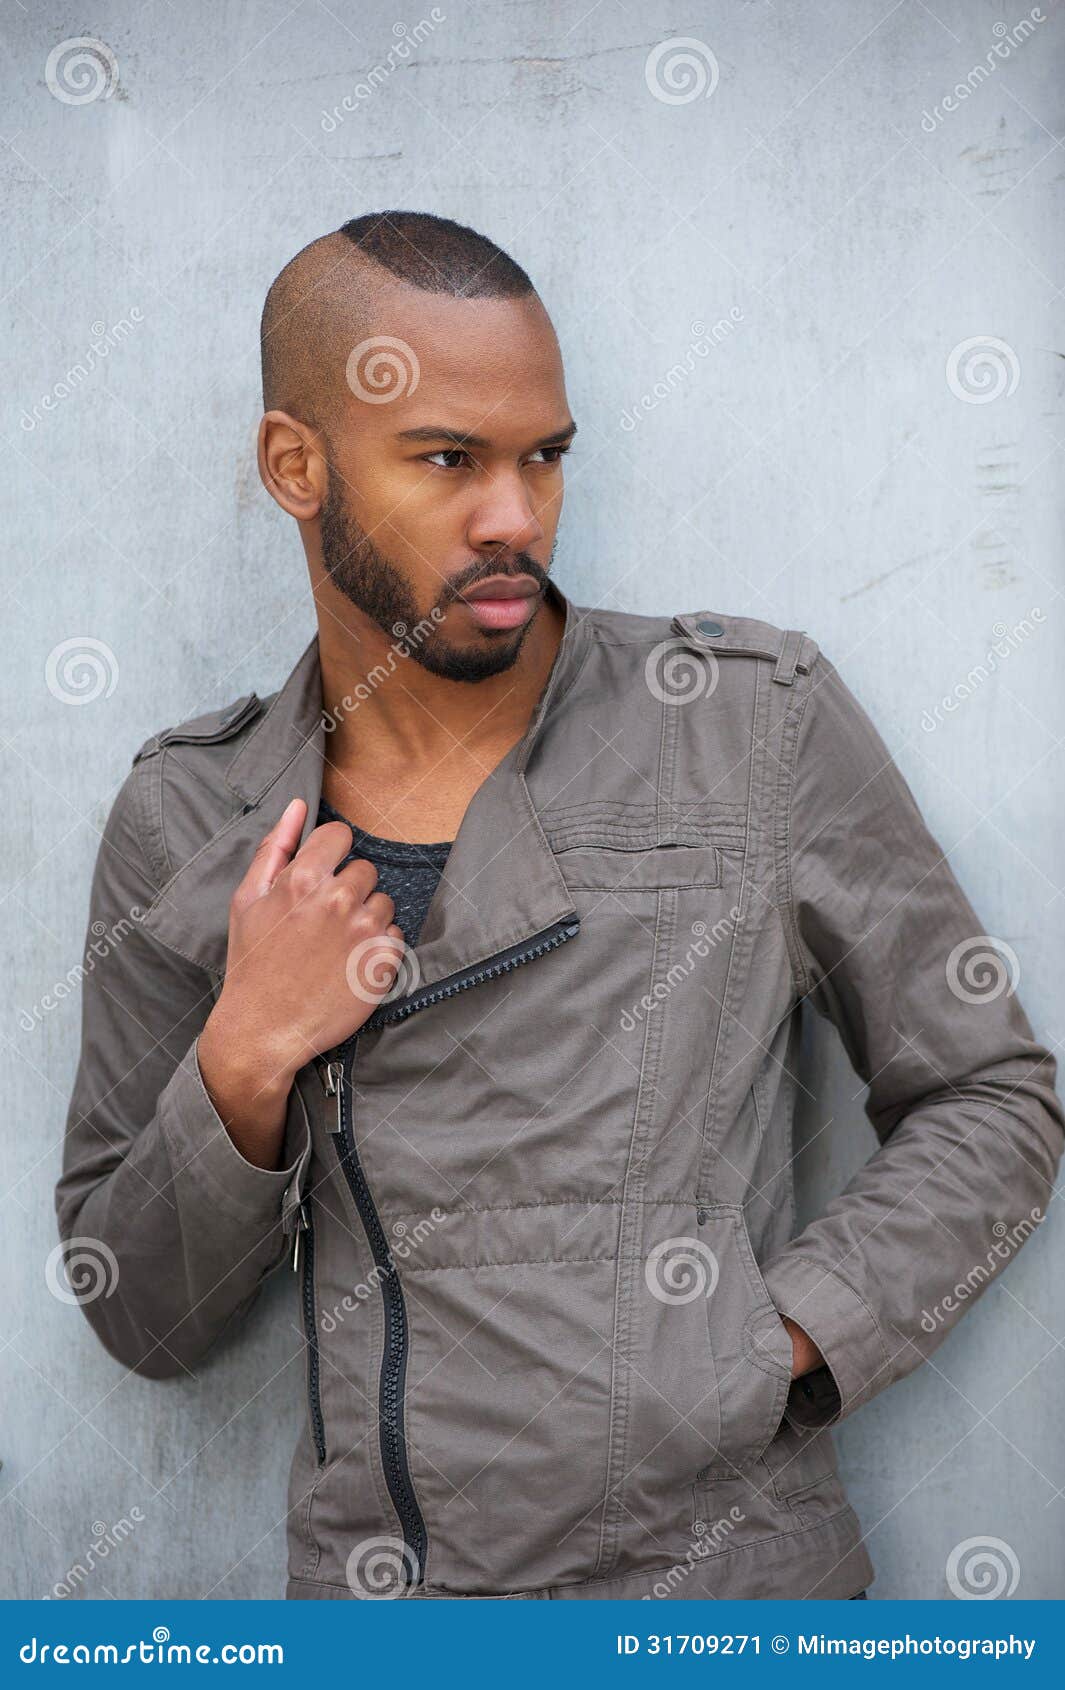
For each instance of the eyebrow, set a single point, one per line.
(458, 438)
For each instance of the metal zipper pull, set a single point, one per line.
(302, 1223)
(332, 1081)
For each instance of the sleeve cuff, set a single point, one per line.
(857, 1362)
(203, 1154)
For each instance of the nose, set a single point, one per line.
(504, 518)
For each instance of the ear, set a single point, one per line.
(291, 464)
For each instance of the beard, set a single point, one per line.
(376, 586)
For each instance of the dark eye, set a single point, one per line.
(552, 454)
(446, 452)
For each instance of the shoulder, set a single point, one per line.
(714, 633)
(176, 793)
(214, 727)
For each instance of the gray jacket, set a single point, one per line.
(541, 1205)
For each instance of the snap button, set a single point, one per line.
(711, 628)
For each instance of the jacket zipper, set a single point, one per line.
(305, 1230)
(336, 1072)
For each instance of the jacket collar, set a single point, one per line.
(501, 884)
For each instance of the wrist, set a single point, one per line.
(253, 1067)
(805, 1355)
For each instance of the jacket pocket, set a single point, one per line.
(749, 1347)
(617, 868)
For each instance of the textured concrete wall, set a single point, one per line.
(808, 224)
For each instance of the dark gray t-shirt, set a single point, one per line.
(408, 873)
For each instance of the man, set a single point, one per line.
(471, 981)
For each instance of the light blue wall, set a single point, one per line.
(818, 468)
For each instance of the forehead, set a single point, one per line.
(485, 364)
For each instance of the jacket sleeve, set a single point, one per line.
(961, 1095)
(166, 1230)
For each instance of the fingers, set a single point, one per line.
(274, 852)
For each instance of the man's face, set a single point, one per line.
(445, 475)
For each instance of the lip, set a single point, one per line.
(501, 601)
(502, 587)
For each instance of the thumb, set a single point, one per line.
(275, 850)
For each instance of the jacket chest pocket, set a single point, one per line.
(626, 868)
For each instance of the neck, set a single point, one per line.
(389, 708)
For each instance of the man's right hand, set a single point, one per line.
(311, 953)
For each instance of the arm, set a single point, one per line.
(960, 1094)
(176, 1196)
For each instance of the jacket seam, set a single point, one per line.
(802, 977)
(142, 827)
(520, 1261)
